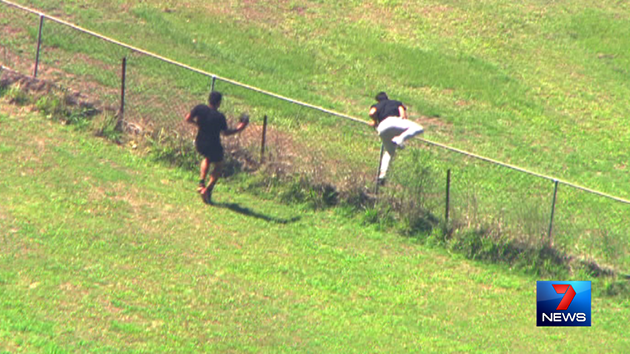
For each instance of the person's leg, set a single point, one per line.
(216, 173)
(411, 129)
(387, 130)
(205, 165)
(214, 177)
(388, 153)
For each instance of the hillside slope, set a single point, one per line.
(102, 251)
(539, 84)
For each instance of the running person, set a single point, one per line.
(389, 117)
(211, 123)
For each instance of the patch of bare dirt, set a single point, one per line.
(429, 122)
(247, 146)
(12, 31)
(26, 83)
(40, 87)
(265, 13)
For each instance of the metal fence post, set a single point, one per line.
(264, 139)
(214, 80)
(39, 44)
(448, 195)
(553, 210)
(121, 111)
(378, 171)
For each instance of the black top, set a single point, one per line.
(211, 122)
(387, 108)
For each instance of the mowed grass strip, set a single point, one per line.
(102, 251)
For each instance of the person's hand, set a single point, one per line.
(244, 118)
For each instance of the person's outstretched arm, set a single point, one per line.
(238, 129)
(243, 123)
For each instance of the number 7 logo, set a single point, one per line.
(568, 292)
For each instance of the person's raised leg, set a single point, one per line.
(411, 129)
(387, 130)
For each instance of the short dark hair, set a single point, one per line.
(215, 98)
(382, 96)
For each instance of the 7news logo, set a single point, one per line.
(563, 303)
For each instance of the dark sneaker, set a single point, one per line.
(207, 196)
(203, 196)
(201, 186)
(381, 181)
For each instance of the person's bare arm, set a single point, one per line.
(244, 121)
(372, 114)
(189, 119)
(402, 112)
(238, 128)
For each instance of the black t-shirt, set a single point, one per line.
(211, 122)
(387, 108)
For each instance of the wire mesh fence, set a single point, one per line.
(18, 40)
(501, 201)
(81, 62)
(470, 194)
(428, 184)
(158, 95)
(592, 227)
(305, 142)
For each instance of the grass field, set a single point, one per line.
(106, 252)
(533, 84)
(539, 84)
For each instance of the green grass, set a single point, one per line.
(537, 85)
(511, 79)
(103, 251)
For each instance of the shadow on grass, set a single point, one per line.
(249, 212)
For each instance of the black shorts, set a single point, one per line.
(214, 153)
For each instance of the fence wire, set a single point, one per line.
(158, 95)
(592, 227)
(80, 62)
(18, 39)
(308, 143)
(305, 142)
(500, 201)
(484, 198)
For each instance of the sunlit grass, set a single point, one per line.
(103, 251)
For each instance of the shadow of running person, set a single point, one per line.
(248, 212)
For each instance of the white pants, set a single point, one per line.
(395, 131)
